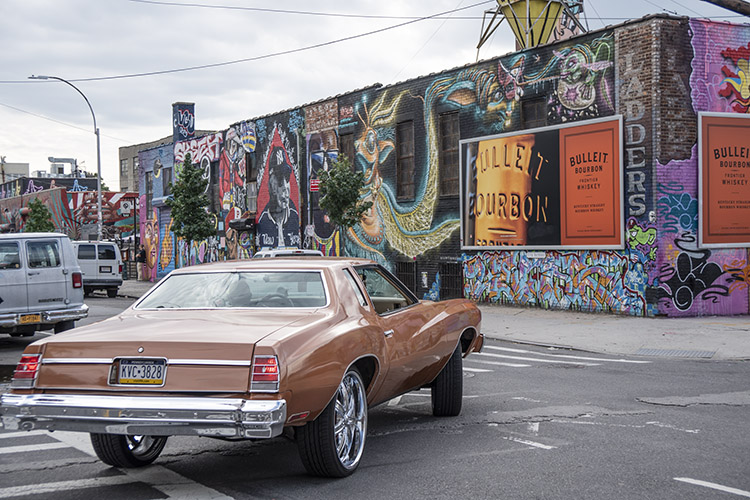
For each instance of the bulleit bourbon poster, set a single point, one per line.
(724, 180)
(553, 187)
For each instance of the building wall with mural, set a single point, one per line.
(657, 73)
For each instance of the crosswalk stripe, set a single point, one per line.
(499, 363)
(75, 484)
(8, 435)
(477, 370)
(32, 447)
(565, 356)
(522, 358)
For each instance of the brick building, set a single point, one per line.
(653, 77)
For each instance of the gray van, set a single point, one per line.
(41, 285)
(101, 265)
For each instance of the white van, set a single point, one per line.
(101, 265)
(42, 284)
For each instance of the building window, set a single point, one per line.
(451, 280)
(406, 272)
(346, 147)
(534, 112)
(405, 160)
(166, 181)
(135, 175)
(124, 167)
(251, 183)
(149, 194)
(449, 135)
(213, 188)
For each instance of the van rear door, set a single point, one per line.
(47, 281)
(13, 278)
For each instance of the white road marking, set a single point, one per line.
(395, 401)
(8, 435)
(524, 351)
(75, 484)
(499, 363)
(533, 444)
(32, 447)
(673, 427)
(477, 370)
(521, 358)
(714, 486)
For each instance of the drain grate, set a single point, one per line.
(675, 353)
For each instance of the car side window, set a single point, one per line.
(43, 254)
(107, 252)
(357, 290)
(86, 252)
(384, 294)
(9, 257)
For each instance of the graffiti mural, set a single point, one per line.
(27, 185)
(596, 281)
(203, 150)
(278, 219)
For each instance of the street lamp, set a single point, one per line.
(98, 153)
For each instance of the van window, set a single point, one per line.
(43, 254)
(9, 258)
(107, 252)
(86, 252)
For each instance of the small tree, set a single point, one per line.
(188, 203)
(40, 218)
(340, 189)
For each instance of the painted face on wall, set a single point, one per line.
(151, 236)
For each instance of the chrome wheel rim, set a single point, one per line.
(350, 420)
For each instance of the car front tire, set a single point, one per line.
(127, 451)
(447, 389)
(332, 444)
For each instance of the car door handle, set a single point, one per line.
(33, 273)
(388, 333)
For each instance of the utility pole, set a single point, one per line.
(738, 6)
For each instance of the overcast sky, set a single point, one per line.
(99, 44)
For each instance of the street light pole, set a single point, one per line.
(98, 153)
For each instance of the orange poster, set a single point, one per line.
(724, 180)
(590, 185)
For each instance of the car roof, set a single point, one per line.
(280, 263)
(10, 236)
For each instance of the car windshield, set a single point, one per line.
(238, 289)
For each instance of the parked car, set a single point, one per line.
(42, 285)
(286, 252)
(101, 265)
(245, 350)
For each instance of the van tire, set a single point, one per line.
(64, 325)
(87, 291)
(111, 292)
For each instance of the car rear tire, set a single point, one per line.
(332, 444)
(448, 387)
(111, 292)
(64, 325)
(127, 451)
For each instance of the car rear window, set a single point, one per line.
(107, 252)
(86, 252)
(288, 289)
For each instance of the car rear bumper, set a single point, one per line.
(47, 317)
(102, 282)
(149, 416)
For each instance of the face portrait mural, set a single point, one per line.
(279, 190)
(151, 237)
(278, 223)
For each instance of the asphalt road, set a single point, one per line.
(537, 423)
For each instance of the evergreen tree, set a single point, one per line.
(340, 189)
(188, 203)
(40, 218)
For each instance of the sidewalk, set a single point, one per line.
(714, 337)
(710, 337)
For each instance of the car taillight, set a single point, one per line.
(77, 280)
(119, 269)
(26, 371)
(265, 374)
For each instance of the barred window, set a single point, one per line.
(405, 160)
(449, 135)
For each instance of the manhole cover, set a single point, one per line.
(675, 353)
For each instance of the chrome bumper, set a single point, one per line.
(54, 316)
(148, 416)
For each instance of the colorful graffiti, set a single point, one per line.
(595, 281)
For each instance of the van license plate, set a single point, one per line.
(27, 319)
(142, 371)
(105, 269)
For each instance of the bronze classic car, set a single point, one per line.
(248, 350)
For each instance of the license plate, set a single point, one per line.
(27, 319)
(105, 269)
(142, 371)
